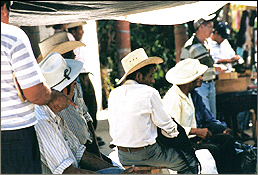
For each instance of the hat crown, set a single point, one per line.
(54, 69)
(187, 68)
(133, 58)
(50, 43)
(185, 71)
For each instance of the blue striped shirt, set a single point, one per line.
(17, 57)
(77, 118)
(59, 147)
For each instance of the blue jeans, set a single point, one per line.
(20, 152)
(157, 155)
(208, 93)
(111, 170)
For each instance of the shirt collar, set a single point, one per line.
(179, 92)
(130, 82)
(51, 115)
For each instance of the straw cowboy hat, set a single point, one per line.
(136, 60)
(185, 71)
(75, 24)
(59, 72)
(58, 42)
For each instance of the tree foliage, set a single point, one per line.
(154, 39)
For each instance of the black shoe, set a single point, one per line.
(101, 143)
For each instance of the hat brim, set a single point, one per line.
(76, 67)
(150, 60)
(171, 78)
(62, 48)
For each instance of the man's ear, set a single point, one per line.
(138, 77)
(65, 91)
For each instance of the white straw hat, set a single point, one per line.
(59, 42)
(185, 71)
(59, 72)
(136, 60)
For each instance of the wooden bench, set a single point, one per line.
(145, 169)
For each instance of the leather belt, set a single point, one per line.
(124, 149)
(208, 81)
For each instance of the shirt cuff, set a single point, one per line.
(79, 153)
(66, 163)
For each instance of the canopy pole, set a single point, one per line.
(33, 34)
(123, 43)
(180, 39)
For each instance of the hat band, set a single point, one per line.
(66, 76)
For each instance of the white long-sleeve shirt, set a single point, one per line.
(135, 110)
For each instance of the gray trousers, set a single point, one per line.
(157, 155)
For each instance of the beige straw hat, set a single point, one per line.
(185, 71)
(58, 42)
(75, 24)
(136, 60)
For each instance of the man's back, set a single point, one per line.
(131, 103)
(17, 57)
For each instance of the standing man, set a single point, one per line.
(75, 33)
(197, 48)
(204, 131)
(136, 111)
(19, 144)
(220, 49)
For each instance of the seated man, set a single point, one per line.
(186, 105)
(136, 111)
(78, 120)
(61, 151)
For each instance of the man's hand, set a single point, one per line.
(228, 131)
(130, 170)
(201, 132)
(59, 101)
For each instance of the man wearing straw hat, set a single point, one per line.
(75, 33)
(78, 120)
(186, 106)
(135, 111)
(61, 151)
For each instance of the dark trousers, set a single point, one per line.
(89, 96)
(222, 148)
(20, 152)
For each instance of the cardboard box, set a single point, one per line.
(230, 75)
(232, 85)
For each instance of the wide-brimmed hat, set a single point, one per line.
(198, 22)
(59, 72)
(185, 71)
(59, 42)
(75, 24)
(136, 60)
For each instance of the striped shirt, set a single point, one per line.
(193, 48)
(77, 118)
(17, 57)
(59, 148)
